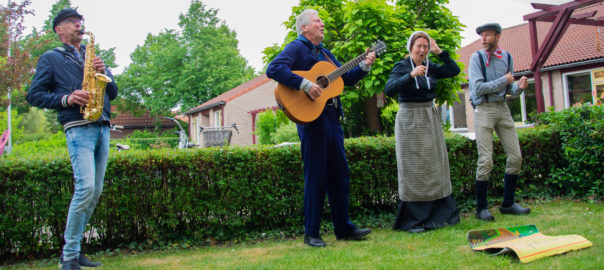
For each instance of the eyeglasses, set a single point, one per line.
(72, 20)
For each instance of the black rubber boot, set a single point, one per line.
(482, 211)
(508, 206)
(509, 189)
(481, 195)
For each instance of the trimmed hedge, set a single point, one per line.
(167, 195)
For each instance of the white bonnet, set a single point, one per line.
(411, 38)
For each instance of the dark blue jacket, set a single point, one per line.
(59, 73)
(298, 55)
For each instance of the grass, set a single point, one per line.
(445, 248)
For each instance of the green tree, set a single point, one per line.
(182, 69)
(352, 26)
(17, 69)
(267, 124)
(50, 40)
(16, 130)
(152, 78)
(34, 122)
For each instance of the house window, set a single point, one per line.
(515, 105)
(197, 125)
(530, 102)
(217, 118)
(579, 88)
(599, 93)
(598, 89)
(522, 107)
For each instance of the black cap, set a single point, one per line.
(489, 26)
(64, 14)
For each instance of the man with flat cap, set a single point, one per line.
(57, 85)
(491, 79)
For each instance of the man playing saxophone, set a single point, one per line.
(57, 85)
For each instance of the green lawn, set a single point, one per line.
(386, 249)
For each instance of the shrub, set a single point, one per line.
(145, 140)
(147, 143)
(16, 128)
(388, 116)
(581, 132)
(286, 133)
(34, 145)
(267, 124)
(34, 122)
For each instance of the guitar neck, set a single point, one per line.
(346, 67)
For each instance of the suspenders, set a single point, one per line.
(484, 73)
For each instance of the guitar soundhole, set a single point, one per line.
(323, 82)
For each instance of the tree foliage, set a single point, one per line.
(267, 124)
(51, 40)
(16, 130)
(184, 68)
(17, 68)
(34, 122)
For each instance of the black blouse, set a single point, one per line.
(401, 82)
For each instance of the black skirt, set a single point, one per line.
(427, 215)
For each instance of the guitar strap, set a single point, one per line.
(328, 58)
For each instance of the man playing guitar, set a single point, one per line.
(322, 140)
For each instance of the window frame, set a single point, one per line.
(565, 83)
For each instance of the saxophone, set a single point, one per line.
(94, 83)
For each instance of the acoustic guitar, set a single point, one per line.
(298, 106)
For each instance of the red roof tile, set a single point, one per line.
(578, 43)
(145, 121)
(233, 93)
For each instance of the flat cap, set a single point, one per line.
(489, 26)
(64, 14)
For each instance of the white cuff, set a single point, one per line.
(64, 101)
(364, 67)
(306, 85)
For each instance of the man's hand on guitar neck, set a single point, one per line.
(314, 92)
(370, 58)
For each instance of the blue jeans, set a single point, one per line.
(88, 150)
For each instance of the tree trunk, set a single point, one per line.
(372, 118)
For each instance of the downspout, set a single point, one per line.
(254, 128)
(551, 89)
(222, 113)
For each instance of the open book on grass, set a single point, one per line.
(525, 241)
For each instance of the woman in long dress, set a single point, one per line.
(424, 181)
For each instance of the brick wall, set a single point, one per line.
(236, 111)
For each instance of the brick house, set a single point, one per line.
(573, 73)
(130, 123)
(238, 106)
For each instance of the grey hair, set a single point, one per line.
(304, 19)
